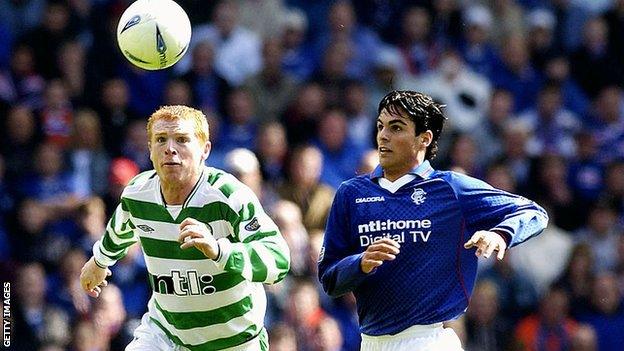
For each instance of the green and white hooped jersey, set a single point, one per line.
(201, 304)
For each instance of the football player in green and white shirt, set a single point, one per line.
(207, 242)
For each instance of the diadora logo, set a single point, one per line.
(145, 228)
(182, 284)
(360, 200)
(419, 196)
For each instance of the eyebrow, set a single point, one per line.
(393, 121)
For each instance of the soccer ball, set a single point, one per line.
(154, 34)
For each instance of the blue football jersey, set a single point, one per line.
(431, 217)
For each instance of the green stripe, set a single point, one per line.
(227, 189)
(247, 213)
(259, 236)
(213, 211)
(169, 249)
(213, 177)
(216, 344)
(189, 320)
(258, 267)
(110, 246)
(117, 256)
(147, 210)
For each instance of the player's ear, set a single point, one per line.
(426, 138)
(207, 148)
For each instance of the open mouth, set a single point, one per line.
(171, 164)
(384, 150)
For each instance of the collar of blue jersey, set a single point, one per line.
(423, 170)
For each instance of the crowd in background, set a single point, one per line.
(533, 94)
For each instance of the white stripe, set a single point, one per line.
(171, 231)
(163, 266)
(174, 303)
(247, 271)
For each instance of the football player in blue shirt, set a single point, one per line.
(402, 238)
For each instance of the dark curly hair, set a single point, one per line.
(421, 109)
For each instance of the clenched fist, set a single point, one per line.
(382, 250)
(194, 233)
(93, 278)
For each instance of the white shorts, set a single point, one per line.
(149, 337)
(431, 337)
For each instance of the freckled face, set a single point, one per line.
(176, 151)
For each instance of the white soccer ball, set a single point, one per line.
(154, 34)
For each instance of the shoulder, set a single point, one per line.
(140, 183)
(354, 185)
(460, 180)
(222, 181)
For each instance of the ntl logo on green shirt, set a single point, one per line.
(182, 284)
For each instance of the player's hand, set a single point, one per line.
(486, 243)
(93, 278)
(382, 250)
(194, 233)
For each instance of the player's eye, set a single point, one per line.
(182, 140)
(396, 128)
(379, 127)
(160, 139)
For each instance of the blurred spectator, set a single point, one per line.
(489, 132)
(301, 118)
(88, 159)
(22, 83)
(134, 145)
(272, 88)
(208, 87)
(542, 46)
(551, 328)
(554, 243)
(608, 125)
(593, 65)
(332, 74)
(22, 16)
(287, 216)
(389, 72)
(342, 27)
(515, 72)
(585, 174)
(418, 49)
(35, 322)
(569, 18)
(240, 126)
(305, 314)
(607, 313)
(516, 135)
(282, 338)
(614, 18)
(71, 65)
(447, 22)
(507, 18)
(368, 162)
(178, 92)
(298, 58)
(557, 71)
(129, 276)
(115, 114)
(271, 149)
(64, 287)
(499, 176)
(327, 336)
(304, 188)
(340, 155)
(19, 142)
(237, 49)
(550, 182)
(476, 48)
(7, 203)
(56, 114)
(263, 17)
(244, 165)
(361, 121)
(463, 154)
(109, 317)
(577, 277)
(517, 296)
(91, 219)
(465, 93)
(46, 39)
(120, 172)
(613, 191)
(85, 337)
(485, 329)
(601, 233)
(584, 339)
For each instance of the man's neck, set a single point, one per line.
(394, 174)
(175, 193)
